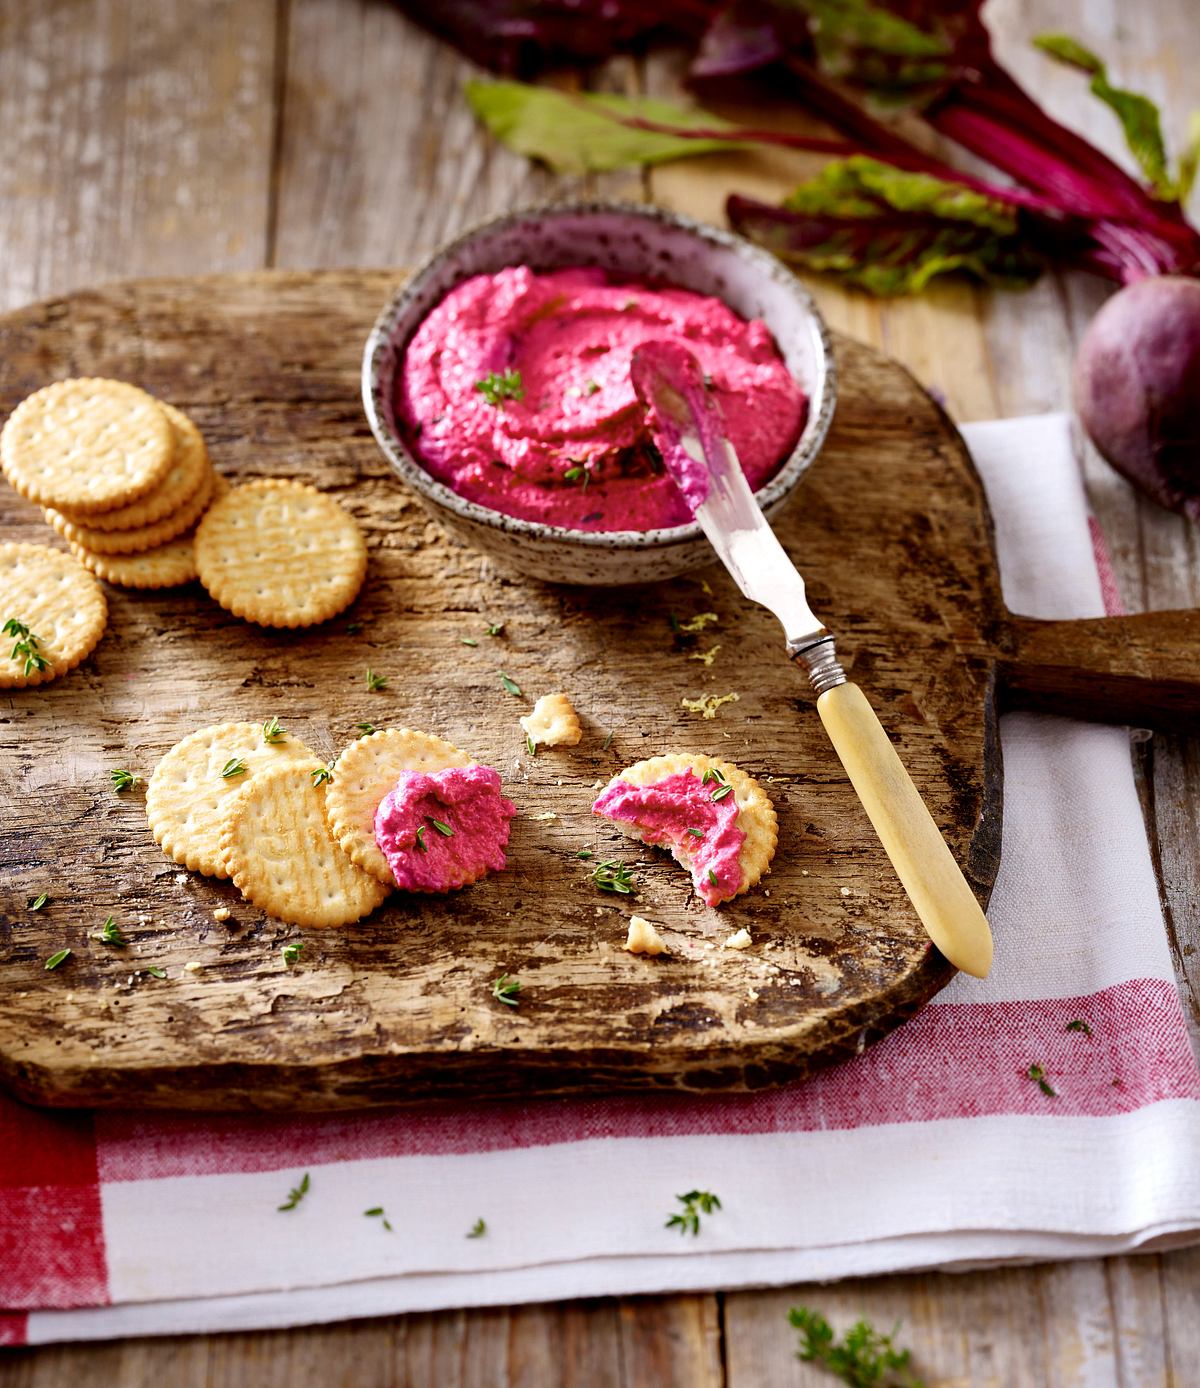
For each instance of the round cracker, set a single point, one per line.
(756, 815)
(87, 445)
(167, 566)
(364, 774)
(186, 792)
(282, 855)
(159, 532)
(189, 469)
(280, 554)
(58, 600)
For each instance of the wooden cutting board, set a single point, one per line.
(894, 538)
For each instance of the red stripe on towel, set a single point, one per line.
(958, 1060)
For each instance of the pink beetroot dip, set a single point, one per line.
(464, 800)
(663, 814)
(557, 349)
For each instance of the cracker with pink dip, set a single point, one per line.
(712, 817)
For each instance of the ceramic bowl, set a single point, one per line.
(636, 243)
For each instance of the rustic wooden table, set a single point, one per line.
(144, 137)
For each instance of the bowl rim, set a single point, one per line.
(410, 470)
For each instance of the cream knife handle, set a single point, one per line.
(925, 866)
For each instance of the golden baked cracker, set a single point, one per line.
(281, 554)
(166, 566)
(364, 774)
(87, 445)
(57, 609)
(553, 722)
(144, 537)
(756, 815)
(187, 791)
(282, 856)
(189, 468)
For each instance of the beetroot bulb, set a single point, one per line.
(1137, 388)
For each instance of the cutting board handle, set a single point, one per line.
(1142, 669)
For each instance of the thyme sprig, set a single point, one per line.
(110, 934)
(295, 1195)
(272, 732)
(235, 766)
(124, 780)
(695, 1203)
(498, 386)
(864, 1358)
(612, 876)
(25, 644)
(505, 990)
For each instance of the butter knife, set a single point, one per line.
(688, 431)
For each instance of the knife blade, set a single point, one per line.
(689, 433)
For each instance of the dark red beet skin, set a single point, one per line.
(1137, 388)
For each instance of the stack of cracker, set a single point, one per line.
(297, 838)
(122, 477)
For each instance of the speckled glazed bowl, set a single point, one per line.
(638, 243)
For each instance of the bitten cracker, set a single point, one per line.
(364, 774)
(189, 468)
(87, 445)
(143, 537)
(60, 606)
(187, 791)
(282, 856)
(553, 722)
(280, 554)
(756, 815)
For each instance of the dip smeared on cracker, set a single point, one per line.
(442, 830)
(714, 819)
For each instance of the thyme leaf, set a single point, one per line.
(505, 990)
(124, 780)
(295, 1195)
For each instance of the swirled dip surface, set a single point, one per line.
(413, 818)
(666, 813)
(560, 435)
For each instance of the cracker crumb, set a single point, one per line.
(546, 818)
(222, 913)
(193, 966)
(752, 994)
(708, 704)
(845, 891)
(803, 872)
(182, 878)
(643, 938)
(740, 939)
(553, 722)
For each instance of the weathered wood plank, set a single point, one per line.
(136, 139)
(381, 159)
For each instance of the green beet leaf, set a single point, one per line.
(586, 132)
